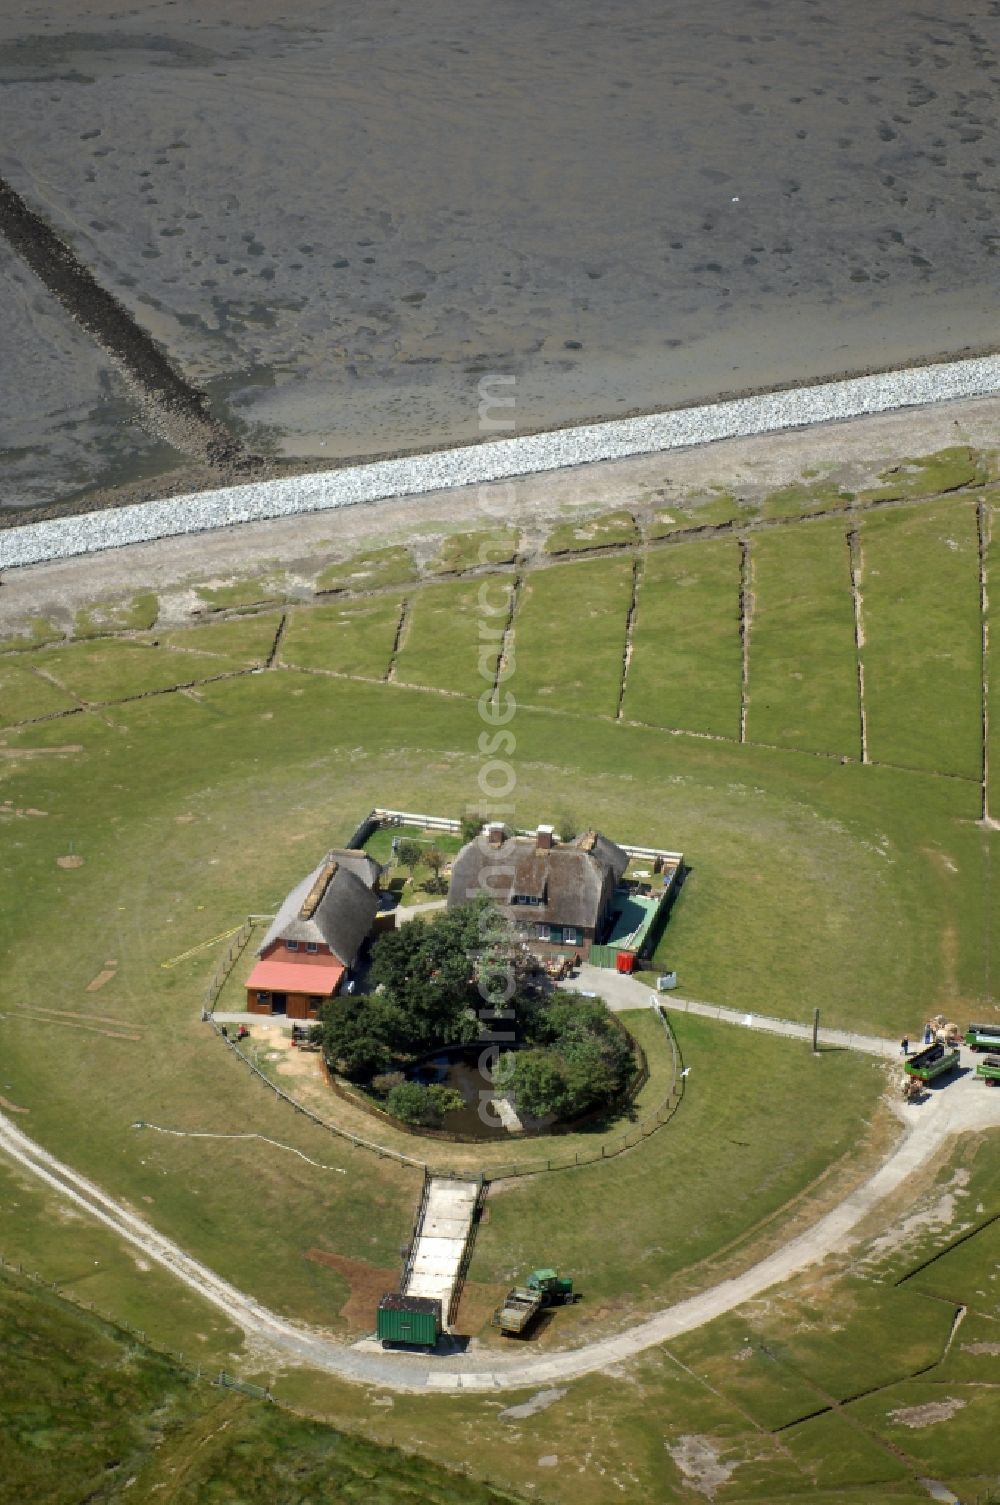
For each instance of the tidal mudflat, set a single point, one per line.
(336, 218)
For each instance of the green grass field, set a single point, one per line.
(134, 615)
(569, 637)
(709, 1144)
(440, 647)
(925, 475)
(26, 696)
(686, 656)
(247, 592)
(698, 512)
(32, 632)
(353, 637)
(801, 499)
(864, 890)
(114, 669)
(245, 639)
(991, 522)
(923, 682)
(803, 671)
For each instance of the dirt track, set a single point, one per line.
(961, 1106)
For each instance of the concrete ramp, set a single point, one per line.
(440, 1241)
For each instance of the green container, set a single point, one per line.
(983, 1037)
(408, 1319)
(989, 1069)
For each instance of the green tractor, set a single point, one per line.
(522, 1304)
(556, 1290)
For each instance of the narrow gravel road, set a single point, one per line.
(960, 1106)
(621, 992)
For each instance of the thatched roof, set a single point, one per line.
(335, 906)
(569, 880)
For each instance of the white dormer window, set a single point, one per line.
(531, 899)
(311, 947)
(291, 945)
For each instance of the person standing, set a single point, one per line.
(904, 1045)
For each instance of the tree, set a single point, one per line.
(537, 1083)
(357, 1034)
(445, 1099)
(435, 860)
(384, 1081)
(471, 825)
(409, 854)
(580, 1058)
(428, 973)
(590, 1077)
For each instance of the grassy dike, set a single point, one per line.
(91, 1413)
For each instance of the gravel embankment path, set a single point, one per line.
(961, 1106)
(90, 532)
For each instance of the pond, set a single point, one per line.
(460, 1069)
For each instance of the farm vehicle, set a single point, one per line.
(983, 1037)
(522, 1304)
(932, 1062)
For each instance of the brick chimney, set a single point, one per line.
(495, 833)
(543, 838)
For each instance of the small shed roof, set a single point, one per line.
(270, 976)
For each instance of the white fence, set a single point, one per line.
(454, 828)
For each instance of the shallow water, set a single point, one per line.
(341, 218)
(466, 1078)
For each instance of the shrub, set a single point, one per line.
(425, 1106)
(567, 826)
(445, 1099)
(580, 1060)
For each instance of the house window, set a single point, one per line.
(291, 945)
(312, 947)
(532, 899)
(543, 932)
(263, 998)
(571, 935)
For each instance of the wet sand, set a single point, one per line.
(336, 219)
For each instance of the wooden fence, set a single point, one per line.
(234, 950)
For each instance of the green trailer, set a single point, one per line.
(983, 1037)
(408, 1319)
(933, 1062)
(989, 1070)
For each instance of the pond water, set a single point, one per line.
(463, 1073)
